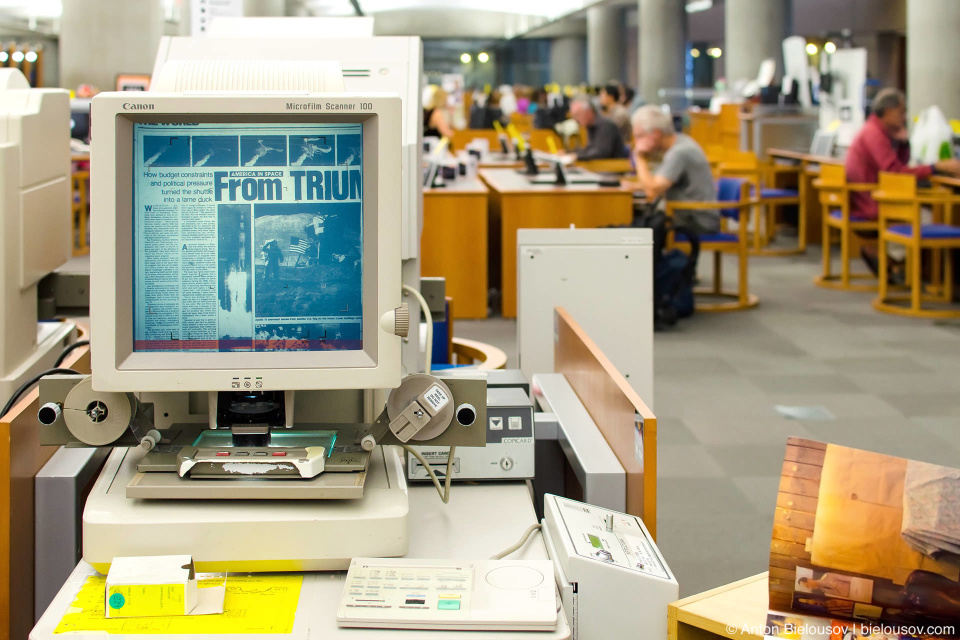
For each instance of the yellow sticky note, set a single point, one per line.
(264, 603)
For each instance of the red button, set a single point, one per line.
(279, 453)
(223, 453)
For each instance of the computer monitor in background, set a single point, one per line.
(35, 211)
(255, 242)
(80, 119)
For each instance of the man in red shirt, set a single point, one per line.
(882, 145)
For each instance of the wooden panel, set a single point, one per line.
(806, 504)
(616, 409)
(800, 487)
(704, 128)
(21, 457)
(729, 123)
(798, 519)
(782, 562)
(803, 471)
(740, 605)
(782, 548)
(607, 165)
(583, 209)
(454, 245)
(791, 534)
(782, 576)
(805, 455)
(538, 138)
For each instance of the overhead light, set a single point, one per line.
(465, 58)
(830, 47)
(812, 49)
(714, 52)
(694, 53)
(17, 56)
(693, 6)
(483, 57)
(31, 56)
(4, 56)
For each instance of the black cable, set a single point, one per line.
(68, 349)
(29, 383)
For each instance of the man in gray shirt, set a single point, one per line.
(684, 172)
(603, 136)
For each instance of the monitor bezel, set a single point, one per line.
(375, 365)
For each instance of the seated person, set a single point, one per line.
(883, 145)
(603, 137)
(434, 119)
(613, 109)
(683, 174)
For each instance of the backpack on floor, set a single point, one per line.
(674, 271)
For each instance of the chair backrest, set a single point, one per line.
(732, 190)
(833, 175)
(736, 159)
(715, 153)
(832, 186)
(897, 196)
(740, 164)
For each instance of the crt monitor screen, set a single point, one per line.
(270, 258)
(80, 124)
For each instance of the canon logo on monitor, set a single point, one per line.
(137, 106)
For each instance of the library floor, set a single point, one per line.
(888, 384)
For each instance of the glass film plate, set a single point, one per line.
(222, 438)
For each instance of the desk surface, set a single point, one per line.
(460, 186)
(804, 156)
(946, 181)
(509, 181)
(479, 521)
(735, 610)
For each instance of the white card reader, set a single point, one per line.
(488, 595)
(613, 581)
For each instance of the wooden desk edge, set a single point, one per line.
(787, 153)
(440, 191)
(676, 613)
(718, 590)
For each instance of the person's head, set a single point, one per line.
(583, 111)
(890, 105)
(628, 95)
(609, 95)
(652, 128)
(804, 582)
(434, 97)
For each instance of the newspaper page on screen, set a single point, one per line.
(248, 237)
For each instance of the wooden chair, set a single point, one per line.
(715, 155)
(901, 223)
(734, 201)
(80, 212)
(835, 193)
(745, 164)
(485, 356)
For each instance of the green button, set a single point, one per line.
(449, 605)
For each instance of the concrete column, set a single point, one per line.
(754, 31)
(567, 60)
(932, 51)
(100, 39)
(605, 44)
(662, 26)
